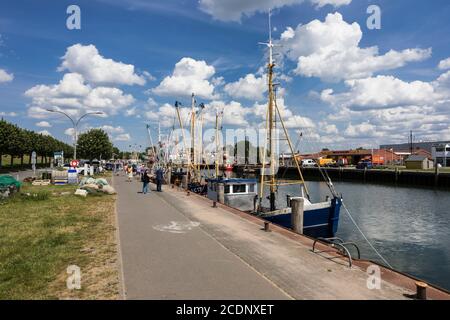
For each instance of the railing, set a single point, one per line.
(340, 245)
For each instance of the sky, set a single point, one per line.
(343, 83)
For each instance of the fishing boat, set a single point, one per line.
(319, 219)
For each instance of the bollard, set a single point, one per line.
(267, 226)
(188, 193)
(184, 182)
(214, 204)
(421, 290)
(221, 193)
(169, 176)
(297, 215)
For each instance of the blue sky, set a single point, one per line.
(387, 96)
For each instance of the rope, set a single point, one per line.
(364, 236)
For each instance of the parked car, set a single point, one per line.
(364, 164)
(308, 163)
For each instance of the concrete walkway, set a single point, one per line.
(178, 246)
(167, 256)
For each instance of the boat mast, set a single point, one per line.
(272, 112)
(217, 144)
(271, 120)
(192, 158)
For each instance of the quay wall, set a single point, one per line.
(399, 177)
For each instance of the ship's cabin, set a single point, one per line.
(238, 193)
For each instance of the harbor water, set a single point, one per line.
(408, 226)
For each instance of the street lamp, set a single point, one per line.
(75, 125)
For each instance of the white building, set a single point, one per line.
(441, 154)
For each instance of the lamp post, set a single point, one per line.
(75, 125)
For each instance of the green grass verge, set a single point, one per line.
(42, 235)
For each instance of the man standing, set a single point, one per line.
(159, 179)
(145, 182)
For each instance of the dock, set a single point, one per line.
(176, 245)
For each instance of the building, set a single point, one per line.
(441, 154)
(418, 162)
(428, 146)
(352, 157)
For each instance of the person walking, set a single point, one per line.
(145, 182)
(159, 179)
(130, 173)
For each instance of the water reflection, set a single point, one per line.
(410, 227)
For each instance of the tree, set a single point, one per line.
(94, 144)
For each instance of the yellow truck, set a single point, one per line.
(326, 162)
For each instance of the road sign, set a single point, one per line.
(72, 176)
(74, 163)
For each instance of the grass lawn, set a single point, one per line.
(42, 236)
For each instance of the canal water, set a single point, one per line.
(409, 227)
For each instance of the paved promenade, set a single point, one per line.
(176, 246)
(167, 256)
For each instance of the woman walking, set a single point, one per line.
(130, 173)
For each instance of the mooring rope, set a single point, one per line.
(364, 236)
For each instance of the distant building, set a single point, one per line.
(418, 162)
(406, 147)
(441, 154)
(352, 157)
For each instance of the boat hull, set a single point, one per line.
(317, 223)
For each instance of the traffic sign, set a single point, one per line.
(74, 163)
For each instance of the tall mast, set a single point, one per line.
(271, 121)
(193, 130)
(217, 144)
(270, 146)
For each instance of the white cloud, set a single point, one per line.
(249, 87)
(5, 76)
(381, 92)
(87, 61)
(131, 112)
(108, 99)
(334, 3)
(45, 133)
(123, 137)
(234, 10)
(112, 130)
(70, 132)
(73, 96)
(291, 120)
(330, 50)
(189, 76)
(363, 130)
(44, 124)
(234, 113)
(444, 64)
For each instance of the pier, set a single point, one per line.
(383, 176)
(177, 245)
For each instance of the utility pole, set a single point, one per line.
(75, 126)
